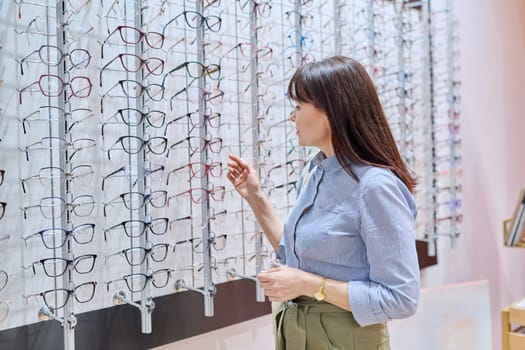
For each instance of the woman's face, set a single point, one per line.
(311, 124)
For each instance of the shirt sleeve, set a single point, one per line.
(281, 253)
(387, 225)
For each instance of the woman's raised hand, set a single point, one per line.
(243, 177)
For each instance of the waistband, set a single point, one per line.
(312, 305)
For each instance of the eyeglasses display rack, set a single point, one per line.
(118, 117)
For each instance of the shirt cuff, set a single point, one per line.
(363, 299)
(281, 254)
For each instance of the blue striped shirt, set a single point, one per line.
(360, 232)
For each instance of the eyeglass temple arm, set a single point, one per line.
(31, 266)
(169, 22)
(173, 121)
(106, 257)
(122, 168)
(106, 40)
(104, 206)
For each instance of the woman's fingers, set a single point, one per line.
(236, 178)
(236, 171)
(234, 158)
(238, 161)
(230, 177)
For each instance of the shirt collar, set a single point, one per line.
(328, 164)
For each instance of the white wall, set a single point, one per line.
(493, 75)
(492, 60)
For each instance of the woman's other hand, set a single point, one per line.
(286, 283)
(243, 177)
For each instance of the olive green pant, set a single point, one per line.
(308, 324)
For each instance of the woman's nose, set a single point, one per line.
(291, 116)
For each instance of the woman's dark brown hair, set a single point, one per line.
(343, 90)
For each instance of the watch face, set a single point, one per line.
(319, 296)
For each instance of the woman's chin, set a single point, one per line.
(302, 142)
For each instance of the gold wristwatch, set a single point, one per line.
(319, 295)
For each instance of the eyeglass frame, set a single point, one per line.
(23, 121)
(145, 197)
(143, 35)
(69, 292)
(68, 262)
(207, 143)
(147, 225)
(67, 235)
(209, 193)
(148, 277)
(62, 88)
(65, 205)
(207, 171)
(62, 56)
(144, 116)
(147, 251)
(204, 19)
(64, 174)
(145, 172)
(143, 63)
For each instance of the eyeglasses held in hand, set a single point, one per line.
(137, 255)
(56, 267)
(53, 238)
(51, 85)
(81, 174)
(136, 200)
(54, 207)
(2, 175)
(136, 282)
(133, 63)
(52, 56)
(132, 36)
(136, 228)
(57, 298)
(134, 144)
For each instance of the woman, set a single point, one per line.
(347, 246)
